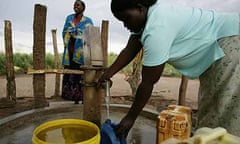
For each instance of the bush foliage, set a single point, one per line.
(24, 61)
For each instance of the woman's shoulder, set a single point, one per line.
(70, 16)
(88, 19)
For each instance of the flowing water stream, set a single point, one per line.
(107, 98)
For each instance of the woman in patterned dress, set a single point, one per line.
(74, 27)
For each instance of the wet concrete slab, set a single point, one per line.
(18, 129)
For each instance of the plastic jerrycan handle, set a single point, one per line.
(206, 135)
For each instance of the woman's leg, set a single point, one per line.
(72, 83)
(66, 86)
(76, 86)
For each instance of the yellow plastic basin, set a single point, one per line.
(66, 131)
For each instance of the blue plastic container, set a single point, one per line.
(108, 136)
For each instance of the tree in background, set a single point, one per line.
(133, 77)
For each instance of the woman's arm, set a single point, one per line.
(125, 57)
(65, 27)
(150, 75)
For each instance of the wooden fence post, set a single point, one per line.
(57, 63)
(104, 38)
(183, 91)
(39, 31)
(11, 85)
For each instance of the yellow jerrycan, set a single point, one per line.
(174, 122)
(207, 135)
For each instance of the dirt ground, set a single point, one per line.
(165, 92)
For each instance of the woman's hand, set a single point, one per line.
(106, 76)
(123, 128)
(72, 32)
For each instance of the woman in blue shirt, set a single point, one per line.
(73, 29)
(198, 43)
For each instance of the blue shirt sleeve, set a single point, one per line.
(157, 41)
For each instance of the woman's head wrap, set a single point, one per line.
(121, 5)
